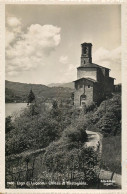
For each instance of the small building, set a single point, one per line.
(117, 88)
(93, 82)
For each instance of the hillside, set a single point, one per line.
(61, 134)
(18, 92)
(64, 85)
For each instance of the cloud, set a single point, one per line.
(25, 51)
(110, 59)
(107, 57)
(13, 30)
(13, 21)
(67, 72)
(9, 38)
(63, 59)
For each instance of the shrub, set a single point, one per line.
(76, 133)
(90, 107)
(111, 154)
(76, 164)
(8, 124)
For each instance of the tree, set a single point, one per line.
(31, 97)
(55, 112)
(54, 104)
(8, 124)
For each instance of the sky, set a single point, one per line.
(43, 42)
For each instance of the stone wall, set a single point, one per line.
(87, 90)
(105, 71)
(100, 76)
(109, 85)
(87, 73)
(89, 94)
(98, 92)
(77, 95)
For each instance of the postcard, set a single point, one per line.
(64, 124)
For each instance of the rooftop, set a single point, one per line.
(89, 65)
(89, 79)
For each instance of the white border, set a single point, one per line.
(2, 95)
(124, 95)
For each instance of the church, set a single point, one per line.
(93, 81)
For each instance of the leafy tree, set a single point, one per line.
(8, 124)
(31, 97)
(32, 131)
(55, 112)
(54, 104)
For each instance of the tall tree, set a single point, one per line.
(31, 97)
(8, 124)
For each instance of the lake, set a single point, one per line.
(14, 108)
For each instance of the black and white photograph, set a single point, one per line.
(63, 93)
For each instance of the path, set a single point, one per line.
(25, 154)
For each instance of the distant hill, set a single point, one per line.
(18, 92)
(64, 85)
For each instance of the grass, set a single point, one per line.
(111, 154)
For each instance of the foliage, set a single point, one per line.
(111, 154)
(61, 130)
(110, 123)
(55, 112)
(31, 97)
(8, 124)
(74, 165)
(31, 131)
(90, 107)
(37, 124)
(36, 128)
(107, 118)
(76, 133)
(54, 105)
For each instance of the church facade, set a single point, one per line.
(93, 81)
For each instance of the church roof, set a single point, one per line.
(89, 65)
(89, 79)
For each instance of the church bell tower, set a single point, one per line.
(86, 53)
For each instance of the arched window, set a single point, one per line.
(82, 99)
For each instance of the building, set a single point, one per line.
(93, 82)
(118, 88)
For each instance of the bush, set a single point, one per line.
(36, 127)
(107, 118)
(90, 107)
(75, 135)
(8, 124)
(32, 131)
(74, 165)
(111, 154)
(76, 132)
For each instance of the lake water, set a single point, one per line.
(14, 108)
